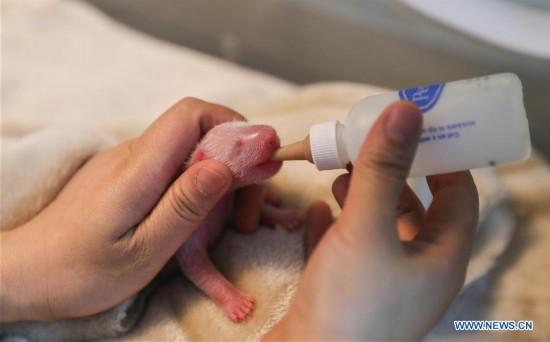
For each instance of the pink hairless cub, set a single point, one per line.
(246, 150)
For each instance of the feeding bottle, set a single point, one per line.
(466, 124)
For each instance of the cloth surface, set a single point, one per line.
(66, 66)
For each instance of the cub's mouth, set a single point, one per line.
(269, 167)
(268, 147)
(264, 162)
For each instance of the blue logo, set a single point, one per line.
(424, 97)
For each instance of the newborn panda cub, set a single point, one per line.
(246, 150)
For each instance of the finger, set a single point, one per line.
(182, 208)
(453, 215)
(318, 219)
(161, 151)
(411, 215)
(182, 125)
(340, 188)
(248, 207)
(380, 171)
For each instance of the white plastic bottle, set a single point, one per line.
(467, 124)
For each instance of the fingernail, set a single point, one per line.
(403, 123)
(209, 182)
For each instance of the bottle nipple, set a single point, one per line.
(299, 150)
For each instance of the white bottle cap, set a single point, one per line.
(323, 140)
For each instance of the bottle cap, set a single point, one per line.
(323, 139)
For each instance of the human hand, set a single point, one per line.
(116, 223)
(386, 269)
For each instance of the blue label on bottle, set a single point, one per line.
(424, 97)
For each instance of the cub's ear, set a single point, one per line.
(198, 156)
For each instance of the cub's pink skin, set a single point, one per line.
(246, 150)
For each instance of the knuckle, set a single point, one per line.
(387, 163)
(189, 101)
(206, 113)
(190, 106)
(186, 205)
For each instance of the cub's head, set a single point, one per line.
(245, 148)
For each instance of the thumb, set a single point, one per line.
(183, 207)
(380, 171)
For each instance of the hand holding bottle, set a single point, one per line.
(386, 269)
